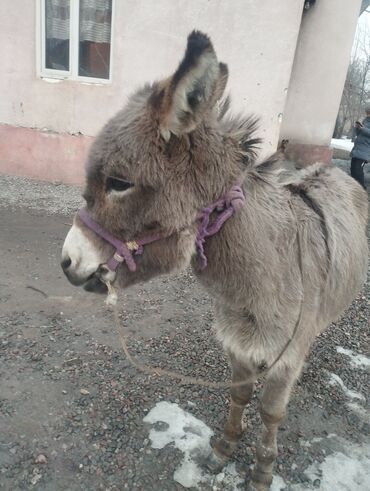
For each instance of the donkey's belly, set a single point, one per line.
(255, 346)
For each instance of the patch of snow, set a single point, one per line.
(318, 439)
(345, 470)
(359, 410)
(227, 479)
(356, 361)
(278, 484)
(341, 144)
(351, 394)
(192, 437)
(348, 470)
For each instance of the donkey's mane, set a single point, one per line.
(242, 129)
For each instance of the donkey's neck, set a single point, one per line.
(213, 173)
(244, 255)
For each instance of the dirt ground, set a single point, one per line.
(72, 410)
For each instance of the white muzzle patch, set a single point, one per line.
(85, 258)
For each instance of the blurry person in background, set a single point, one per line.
(361, 150)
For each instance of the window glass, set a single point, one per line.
(57, 13)
(95, 38)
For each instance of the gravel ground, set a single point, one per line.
(72, 410)
(50, 198)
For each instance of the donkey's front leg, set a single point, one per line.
(233, 431)
(274, 400)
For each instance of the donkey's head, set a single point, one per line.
(154, 166)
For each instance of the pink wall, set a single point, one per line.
(254, 38)
(257, 39)
(43, 155)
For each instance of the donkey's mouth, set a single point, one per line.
(95, 284)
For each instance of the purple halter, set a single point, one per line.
(226, 206)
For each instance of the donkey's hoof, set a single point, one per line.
(259, 482)
(251, 486)
(213, 463)
(224, 449)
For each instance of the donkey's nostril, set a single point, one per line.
(66, 263)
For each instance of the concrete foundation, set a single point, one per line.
(305, 154)
(43, 155)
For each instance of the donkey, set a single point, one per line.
(172, 181)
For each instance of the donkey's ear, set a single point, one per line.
(221, 83)
(190, 91)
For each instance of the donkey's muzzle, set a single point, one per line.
(92, 283)
(95, 285)
(71, 276)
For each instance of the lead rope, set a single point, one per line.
(160, 372)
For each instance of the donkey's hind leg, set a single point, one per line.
(233, 431)
(273, 405)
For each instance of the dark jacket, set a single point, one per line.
(361, 148)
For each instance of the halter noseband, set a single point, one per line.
(226, 206)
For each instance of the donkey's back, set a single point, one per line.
(342, 205)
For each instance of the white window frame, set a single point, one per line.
(72, 73)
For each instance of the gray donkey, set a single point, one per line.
(172, 181)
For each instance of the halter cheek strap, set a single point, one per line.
(124, 250)
(226, 206)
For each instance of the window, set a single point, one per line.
(76, 39)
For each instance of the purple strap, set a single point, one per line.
(226, 206)
(123, 251)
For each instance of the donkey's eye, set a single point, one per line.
(114, 184)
